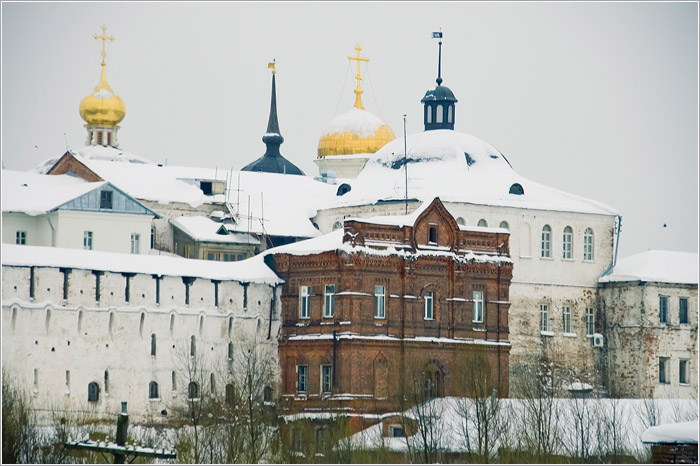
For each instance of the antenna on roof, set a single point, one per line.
(66, 138)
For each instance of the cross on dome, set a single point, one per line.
(358, 89)
(104, 40)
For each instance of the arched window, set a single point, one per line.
(230, 350)
(428, 113)
(172, 323)
(141, 322)
(193, 346)
(337, 226)
(230, 326)
(153, 344)
(201, 324)
(106, 381)
(567, 243)
(482, 223)
(449, 113)
(588, 245)
(516, 188)
(111, 322)
(174, 381)
(439, 114)
(93, 392)
(546, 245)
(193, 391)
(504, 225)
(431, 384)
(461, 221)
(153, 390)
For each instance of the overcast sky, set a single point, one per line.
(597, 99)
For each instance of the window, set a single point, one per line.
(337, 226)
(544, 317)
(428, 114)
(431, 384)
(396, 431)
(105, 199)
(186, 253)
(21, 237)
(566, 318)
(153, 237)
(302, 373)
(567, 243)
(429, 309)
(229, 394)
(99, 137)
(461, 221)
(663, 370)
(109, 139)
(546, 242)
(438, 114)
(379, 301)
(135, 240)
(230, 350)
(663, 309)
(329, 301)
(153, 344)
(87, 240)
(326, 378)
(304, 295)
(193, 346)
(478, 306)
(588, 245)
(449, 113)
(93, 392)
(153, 391)
(683, 371)
(482, 223)
(504, 225)
(683, 310)
(193, 391)
(267, 394)
(590, 321)
(432, 234)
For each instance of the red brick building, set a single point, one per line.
(389, 308)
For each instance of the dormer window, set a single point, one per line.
(105, 199)
(432, 234)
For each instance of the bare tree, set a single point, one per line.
(19, 434)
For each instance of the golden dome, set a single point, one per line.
(354, 132)
(102, 107)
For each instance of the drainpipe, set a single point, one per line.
(617, 240)
(53, 230)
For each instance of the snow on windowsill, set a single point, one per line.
(545, 333)
(569, 334)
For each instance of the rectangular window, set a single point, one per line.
(588, 245)
(683, 310)
(429, 310)
(105, 199)
(87, 240)
(153, 237)
(544, 317)
(567, 244)
(304, 297)
(302, 373)
(590, 321)
(379, 293)
(135, 246)
(99, 137)
(663, 370)
(329, 301)
(663, 309)
(326, 378)
(566, 318)
(546, 242)
(21, 237)
(683, 371)
(186, 251)
(396, 431)
(432, 234)
(478, 306)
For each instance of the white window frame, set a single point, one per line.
(135, 243)
(304, 302)
(326, 378)
(429, 308)
(566, 318)
(87, 240)
(590, 321)
(302, 378)
(567, 243)
(546, 242)
(379, 302)
(544, 317)
(329, 301)
(21, 237)
(588, 252)
(477, 306)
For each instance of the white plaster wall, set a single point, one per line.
(37, 228)
(342, 167)
(110, 231)
(16, 282)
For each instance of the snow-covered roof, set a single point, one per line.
(456, 167)
(248, 270)
(106, 153)
(655, 266)
(681, 432)
(356, 121)
(205, 229)
(35, 194)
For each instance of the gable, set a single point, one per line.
(436, 227)
(114, 200)
(68, 164)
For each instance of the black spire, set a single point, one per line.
(439, 103)
(272, 161)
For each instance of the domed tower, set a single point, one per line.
(350, 138)
(439, 103)
(102, 110)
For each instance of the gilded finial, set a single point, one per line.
(358, 89)
(104, 40)
(272, 65)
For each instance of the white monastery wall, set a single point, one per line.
(57, 347)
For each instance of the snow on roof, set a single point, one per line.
(248, 270)
(681, 432)
(35, 194)
(456, 167)
(356, 121)
(204, 229)
(655, 266)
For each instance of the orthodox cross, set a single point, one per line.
(272, 65)
(358, 90)
(104, 39)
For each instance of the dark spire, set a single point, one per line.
(439, 103)
(273, 126)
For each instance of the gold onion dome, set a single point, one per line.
(102, 107)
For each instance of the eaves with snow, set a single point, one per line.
(204, 229)
(655, 266)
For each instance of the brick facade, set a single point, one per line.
(371, 359)
(672, 453)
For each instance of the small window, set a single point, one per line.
(193, 346)
(663, 309)
(663, 370)
(450, 110)
(461, 221)
(301, 378)
(135, 243)
(439, 114)
(186, 253)
(153, 344)
(326, 378)
(379, 294)
(397, 431)
(304, 302)
(173, 381)
(153, 391)
(428, 114)
(267, 394)
(517, 189)
(329, 301)
(478, 306)
(229, 351)
(482, 223)
(193, 391)
(429, 313)
(109, 139)
(567, 243)
(566, 319)
(337, 226)
(99, 137)
(105, 199)
(544, 317)
(588, 245)
(21, 237)
(683, 310)
(432, 234)
(229, 394)
(153, 237)
(504, 225)
(93, 392)
(590, 321)
(683, 371)
(87, 240)
(546, 246)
